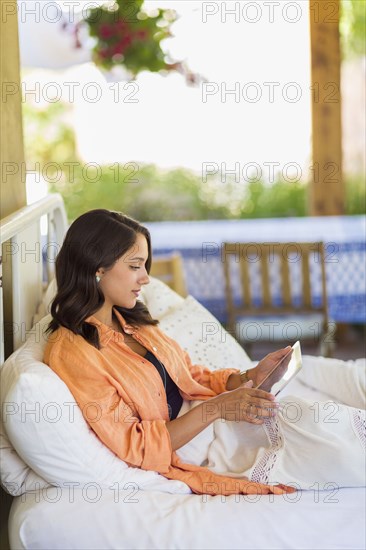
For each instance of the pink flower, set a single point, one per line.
(127, 40)
(122, 44)
(142, 34)
(120, 26)
(119, 48)
(106, 31)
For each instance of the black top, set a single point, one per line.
(173, 397)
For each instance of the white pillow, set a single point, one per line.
(159, 298)
(49, 295)
(16, 477)
(203, 337)
(48, 431)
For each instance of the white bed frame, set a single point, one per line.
(22, 256)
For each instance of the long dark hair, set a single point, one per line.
(97, 239)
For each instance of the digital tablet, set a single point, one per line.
(283, 372)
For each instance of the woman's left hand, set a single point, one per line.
(264, 367)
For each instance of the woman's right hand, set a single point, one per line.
(246, 403)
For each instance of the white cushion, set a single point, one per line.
(159, 298)
(16, 476)
(49, 295)
(203, 337)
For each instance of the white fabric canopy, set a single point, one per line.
(43, 42)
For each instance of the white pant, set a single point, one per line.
(343, 381)
(313, 442)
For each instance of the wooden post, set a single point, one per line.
(327, 193)
(12, 165)
(13, 194)
(12, 181)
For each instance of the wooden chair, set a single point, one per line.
(257, 312)
(169, 269)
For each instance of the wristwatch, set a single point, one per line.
(244, 376)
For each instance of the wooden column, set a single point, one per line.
(12, 180)
(327, 193)
(13, 194)
(12, 183)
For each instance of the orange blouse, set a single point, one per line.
(122, 397)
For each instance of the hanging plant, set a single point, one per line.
(125, 35)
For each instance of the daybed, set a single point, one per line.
(72, 492)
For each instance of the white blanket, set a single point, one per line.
(154, 520)
(312, 442)
(81, 519)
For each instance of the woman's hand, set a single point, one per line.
(264, 367)
(241, 403)
(246, 403)
(259, 373)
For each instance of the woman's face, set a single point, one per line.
(122, 283)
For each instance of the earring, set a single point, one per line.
(97, 278)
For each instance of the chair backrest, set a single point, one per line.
(252, 270)
(169, 269)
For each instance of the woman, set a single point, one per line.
(127, 376)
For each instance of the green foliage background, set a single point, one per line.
(152, 194)
(353, 27)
